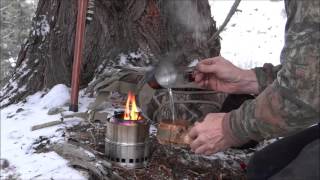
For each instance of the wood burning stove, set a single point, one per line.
(127, 141)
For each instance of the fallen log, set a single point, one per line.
(80, 157)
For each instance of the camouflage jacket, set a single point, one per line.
(289, 93)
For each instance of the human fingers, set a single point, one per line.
(196, 143)
(206, 68)
(209, 65)
(193, 133)
(206, 83)
(202, 149)
(198, 77)
(215, 147)
(210, 61)
(201, 84)
(214, 150)
(208, 153)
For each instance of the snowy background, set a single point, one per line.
(253, 36)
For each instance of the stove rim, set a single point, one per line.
(117, 119)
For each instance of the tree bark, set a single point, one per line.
(150, 27)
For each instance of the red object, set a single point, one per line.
(77, 58)
(243, 166)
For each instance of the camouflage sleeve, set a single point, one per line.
(266, 75)
(291, 102)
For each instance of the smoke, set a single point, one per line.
(187, 13)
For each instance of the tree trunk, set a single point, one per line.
(150, 27)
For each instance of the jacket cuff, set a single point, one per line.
(266, 75)
(229, 134)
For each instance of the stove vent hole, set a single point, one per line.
(131, 161)
(123, 160)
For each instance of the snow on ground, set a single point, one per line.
(17, 138)
(253, 36)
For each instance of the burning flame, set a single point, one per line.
(131, 113)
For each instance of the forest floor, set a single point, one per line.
(253, 36)
(34, 154)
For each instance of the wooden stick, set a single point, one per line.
(45, 125)
(77, 57)
(83, 115)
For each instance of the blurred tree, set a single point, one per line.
(15, 26)
(151, 27)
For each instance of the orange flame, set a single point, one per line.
(131, 113)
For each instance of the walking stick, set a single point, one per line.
(77, 58)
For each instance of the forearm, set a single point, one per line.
(248, 83)
(276, 112)
(291, 103)
(288, 105)
(256, 80)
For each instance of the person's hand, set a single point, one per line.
(208, 136)
(221, 75)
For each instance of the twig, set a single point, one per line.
(7, 35)
(45, 125)
(193, 172)
(57, 122)
(5, 7)
(224, 24)
(93, 138)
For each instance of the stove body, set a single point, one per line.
(127, 142)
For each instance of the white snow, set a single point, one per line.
(58, 96)
(252, 37)
(17, 138)
(42, 27)
(193, 63)
(12, 61)
(123, 60)
(136, 54)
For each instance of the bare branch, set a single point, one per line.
(7, 36)
(224, 24)
(5, 7)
